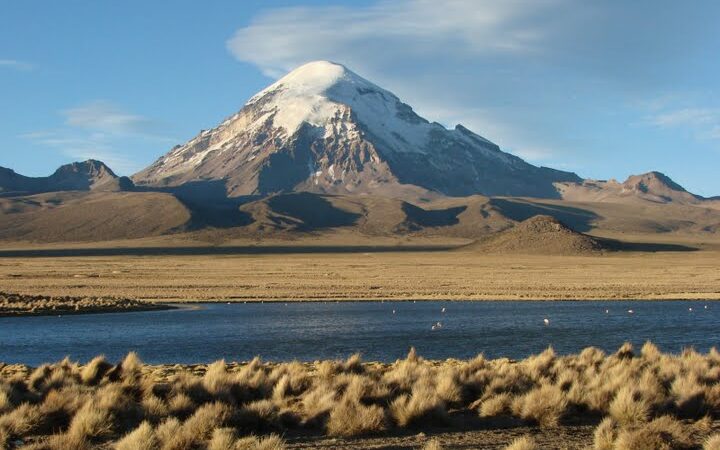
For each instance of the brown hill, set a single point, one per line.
(542, 235)
(651, 187)
(90, 216)
(87, 175)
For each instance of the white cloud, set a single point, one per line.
(106, 117)
(686, 116)
(100, 130)
(703, 122)
(81, 147)
(282, 39)
(15, 64)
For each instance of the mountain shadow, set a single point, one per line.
(577, 219)
(418, 218)
(312, 211)
(208, 203)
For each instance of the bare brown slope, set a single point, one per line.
(542, 235)
(81, 217)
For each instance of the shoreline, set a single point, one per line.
(19, 305)
(179, 302)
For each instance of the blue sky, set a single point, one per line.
(604, 88)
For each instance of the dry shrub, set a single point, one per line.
(93, 372)
(318, 403)
(92, 405)
(689, 396)
(626, 351)
(498, 405)
(539, 366)
(432, 444)
(217, 381)
(712, 443)
(131, 368)
(351, 418)
(545, 406)
(141, 438)
(523, 443)
(605, 435)
(353, 364)
(422, 406)
(90, 422)
(21, 421)
(167, 431)
(222, 439)
(629, 408)
(5, 403)
(448, 387)
(662, 433)
(259, 414)
(155, 408)
(181, 405)
(650, 352)
(200, 425)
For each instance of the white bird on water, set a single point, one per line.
(690, 309)
(607, 311)
(630, 311)
(546, 321)
(393, 311)
(443, 310)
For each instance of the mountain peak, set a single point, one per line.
(315, 78)
(323, 128)
(87, 175)
(91, 168)
(652, 181)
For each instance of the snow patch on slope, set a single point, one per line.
(320, 91)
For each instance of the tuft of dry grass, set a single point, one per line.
(141, 438)
(661, 433)
(498, 405)
(523, 443)
(605, 435)
(628, 407)
(224, 405)
(352, 418)
(545, 406)
(712, 443)
(432, 444)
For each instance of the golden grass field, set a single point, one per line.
(202, 275)
(628, 400)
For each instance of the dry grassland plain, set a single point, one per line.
(451, 275)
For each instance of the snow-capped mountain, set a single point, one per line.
(323, 128)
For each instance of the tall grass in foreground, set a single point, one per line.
(641, 400)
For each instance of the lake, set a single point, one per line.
(309, 331)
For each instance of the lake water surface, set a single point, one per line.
(310, 331)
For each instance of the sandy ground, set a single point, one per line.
(566, 437)
(206, 274)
